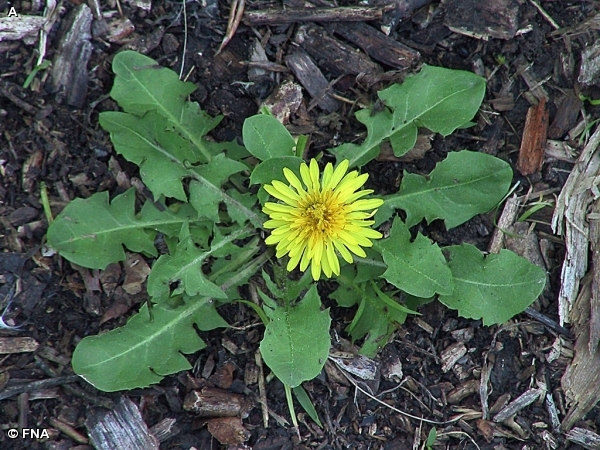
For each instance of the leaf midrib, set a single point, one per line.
(403, 126)
(166, 113)
(192, 308)
(401, 195)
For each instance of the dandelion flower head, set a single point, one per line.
(320, 217)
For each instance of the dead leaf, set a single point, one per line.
(228, 430)
(136, 272)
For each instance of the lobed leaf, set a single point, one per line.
(417, 267)
(163, 134)
(460, 187)
(493, 288)
(436, 98)
(296, 342)
(182, 271)
(145, 350)
(92, 232)
(377, 316)
(141, 85)
(206, 193)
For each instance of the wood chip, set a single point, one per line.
(451, 355)
(332, 55)
(17, 345)
(309, 76)
(507, 218)
(228, 430)
(487, 429)
(483, 20)
(531, 153)
(524, 68)
(120, 428)
(22, 27)
(378, 45)
(590, 65)
(461, 392)
(586, 438)
(291, 15)
(214, 402)
(569, 108)
(165, 429)
(594, 321)
(69, 74)
(285, 101)
(361, 366)
(136, 272)
(521, 402)
(570, 219)
(581, 380)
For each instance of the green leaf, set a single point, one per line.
(158, 152)
(436, 98)
(266, 137)
(378, 315)
(307, 404)
(272, 169)
(143, 352)
(494, 288)
(460, 187)
(91, 232)
(247, 202)
(371, 267)
(182, 271)
(296, 342)
(376, 320)
(141, 86)
(166, 159)
(418, 267)
(206, 192)
(163, 134)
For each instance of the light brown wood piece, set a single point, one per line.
(17, 345)
(214, 402)
(377, 45)
(228, 430)
(340, 14)
(507, 218)
(461, 392)
(531, 153)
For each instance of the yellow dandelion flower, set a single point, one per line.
(313, 225)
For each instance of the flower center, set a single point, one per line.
(322, 215)
(318, 216)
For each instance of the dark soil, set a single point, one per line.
(44, 140)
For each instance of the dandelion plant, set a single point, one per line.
(206, 208)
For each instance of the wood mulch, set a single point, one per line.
(526, 384)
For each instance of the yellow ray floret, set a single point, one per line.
(321, 217)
